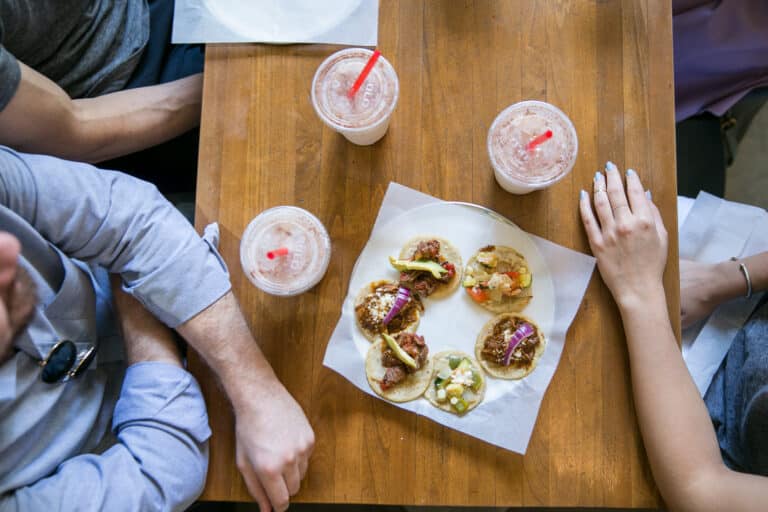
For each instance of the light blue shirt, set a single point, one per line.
(57, 451)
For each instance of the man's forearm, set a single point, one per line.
(273, 437)
(127, 121)
(145, 338)
(221, 336)
(41, 118)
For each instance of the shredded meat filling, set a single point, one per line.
(371, 317)
(495, 345)
(397, 371)
(424, 283)
(392, 377)
(427, 250)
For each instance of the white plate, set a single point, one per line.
(281, 20)
(453, 322)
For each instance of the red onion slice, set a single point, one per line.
(523, 332)
(401, 299)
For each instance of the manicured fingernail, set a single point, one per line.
(610, 166)
(582, 195)
(631, 172)
(649, 195)
(598, 176)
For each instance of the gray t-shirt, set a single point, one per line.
(88, 47)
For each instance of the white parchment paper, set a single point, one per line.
(715, 230)
(349, 22)
(560, 279)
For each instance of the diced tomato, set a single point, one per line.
(514, 276)
(447, 265)
(477, 294)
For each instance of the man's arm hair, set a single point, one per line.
(42, 118)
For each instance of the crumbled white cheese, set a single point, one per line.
(454, 400)
(500, 282)
(488, 258)
(441, 394)
(463, 378)
(379, 305)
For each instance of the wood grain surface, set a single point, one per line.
(608, 65)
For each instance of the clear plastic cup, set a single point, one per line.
(520, 169)
(364, 118)
(308, 250)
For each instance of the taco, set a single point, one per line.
(499, 279)
(457, 383)
(398, 368)
(510, 346)
(429, 267)
(374, 303)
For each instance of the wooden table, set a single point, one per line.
(608, 65)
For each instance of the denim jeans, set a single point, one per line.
(737, 398)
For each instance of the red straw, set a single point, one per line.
(364, 73)
(282, 251)
(538, 140)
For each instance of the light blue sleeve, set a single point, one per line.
(159, 463)
(121, 223)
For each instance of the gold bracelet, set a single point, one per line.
(745, 272)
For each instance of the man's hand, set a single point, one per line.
(17, 294)
(274, 443)
(274, 438)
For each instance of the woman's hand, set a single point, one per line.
(627, 236)
(704, 286)
(700, 290)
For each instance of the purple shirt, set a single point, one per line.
(721, 53)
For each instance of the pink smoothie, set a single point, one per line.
(520, 168)
(364, 118)
(298, 231)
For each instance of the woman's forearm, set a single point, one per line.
(732, 283)
(628, 238)
(674, 421)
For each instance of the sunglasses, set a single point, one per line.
(64, 363)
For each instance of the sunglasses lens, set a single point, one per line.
(85, 363)
(60, 360)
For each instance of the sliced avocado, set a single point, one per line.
(477, 381)
(399, 352)
(453, 361)
(432, 267)
(464, 365)
(469, 282)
